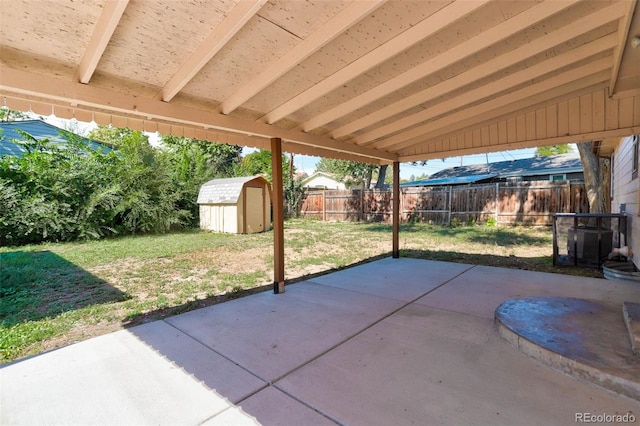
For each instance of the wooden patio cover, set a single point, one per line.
(366, 80)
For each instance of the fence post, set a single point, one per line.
(361, 218)
(324, 204)
(497, 201)
(450, 201)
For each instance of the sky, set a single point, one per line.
(307, 164)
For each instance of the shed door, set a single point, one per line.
(255, 209)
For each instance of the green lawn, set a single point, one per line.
(56, 294)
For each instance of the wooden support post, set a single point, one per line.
(278, 216)
(395, 251)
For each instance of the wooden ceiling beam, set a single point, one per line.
(348, 17)
(436, 22)
(490, 90)
(539, 45)
(530, 95)
(215, 41)
(485, 39)
(20, 83)
(623, 33)
(104, 29)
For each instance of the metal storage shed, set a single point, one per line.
(235, 205)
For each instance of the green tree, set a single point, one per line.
(148, 200)
(546, 151)
(55, 193)
(194, 162)
(259, 163)
(7, 114)
(350, 172)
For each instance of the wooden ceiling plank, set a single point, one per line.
(623, 33)
(63, 92)
(348, 17)
(215, 41)
(104, 29)
(436, 22)
(514, 113)
(462, 117)
(539, 45)
(489, 90)
(596, 81)
(483, 40)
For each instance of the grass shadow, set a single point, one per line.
(41, 284)
(539, 264)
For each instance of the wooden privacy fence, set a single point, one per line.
(521, 203)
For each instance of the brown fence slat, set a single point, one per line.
(520, 203)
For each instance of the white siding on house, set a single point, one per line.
(626, 193)
(320, 180)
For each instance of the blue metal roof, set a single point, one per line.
(455, 180)
(564, 163)
(39, 130)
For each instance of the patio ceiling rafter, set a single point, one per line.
(439, 20)
(447, 58)
(623, 33)
(215, 41)
(106, 25)
(349, 16)
(375, 80)
(564, 83)
(490, 90)
(535, 47)
(16, 83)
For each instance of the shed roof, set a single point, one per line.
(39, 130)
(223, 191)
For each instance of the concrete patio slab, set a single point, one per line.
(482, 289)
(355, 349)
(402, 279)
(427, 366)
(217, 373)
(112, 379)
(270, 407)
(271, 336)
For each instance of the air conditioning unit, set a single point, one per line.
(583, 244)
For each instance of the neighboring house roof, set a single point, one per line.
(455, 180)
(322, 175)
(536, 166)
(39, 130)
(223, 191)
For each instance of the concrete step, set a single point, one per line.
(583, 338)
(631, 315)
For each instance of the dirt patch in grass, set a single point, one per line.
(58, 294)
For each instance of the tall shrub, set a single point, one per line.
(55, 193)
